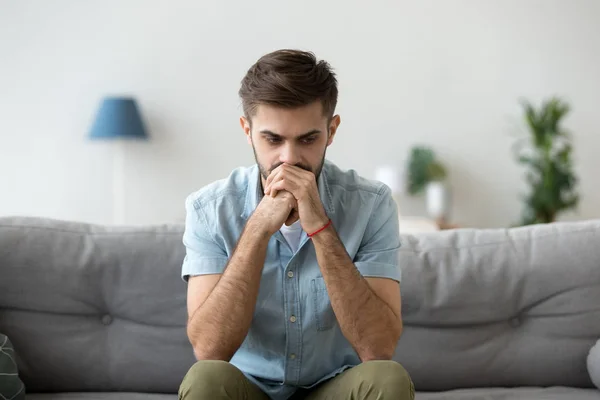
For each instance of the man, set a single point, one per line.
(291, 264)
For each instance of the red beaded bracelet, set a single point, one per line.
(319, 230)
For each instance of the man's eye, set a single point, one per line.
(309, 140)
(273, 140)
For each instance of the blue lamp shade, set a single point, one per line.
(118, 117)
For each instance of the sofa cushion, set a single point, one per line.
(11, 386)
(500, 307)
(94, 308)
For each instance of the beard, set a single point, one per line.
(266, 171)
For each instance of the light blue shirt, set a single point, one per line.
(294, 340)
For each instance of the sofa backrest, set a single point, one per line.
(101, 308)
(501, 307)
(92, 308)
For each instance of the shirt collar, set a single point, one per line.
(254, 193)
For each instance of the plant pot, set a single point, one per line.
(438, 200)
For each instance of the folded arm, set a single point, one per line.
(221, 306)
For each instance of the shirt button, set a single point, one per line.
(292, 356)
(293, 318)
(290, 274)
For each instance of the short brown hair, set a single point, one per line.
(289, 78)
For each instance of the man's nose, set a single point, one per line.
(289, 155)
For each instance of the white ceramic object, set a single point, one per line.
(438, 200)
(391, 176)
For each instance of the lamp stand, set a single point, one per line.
(118, 182)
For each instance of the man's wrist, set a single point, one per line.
(323, 226)
(325, 236)
(320, 219)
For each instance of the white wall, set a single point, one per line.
(447, 73)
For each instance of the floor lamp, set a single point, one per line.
(118, 119)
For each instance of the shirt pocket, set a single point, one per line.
(323, 312)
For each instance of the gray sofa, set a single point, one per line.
(98, 312)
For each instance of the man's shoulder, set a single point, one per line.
(230, 188)
(351, 181)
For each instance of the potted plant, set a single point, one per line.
(427, 174)
(547, 155)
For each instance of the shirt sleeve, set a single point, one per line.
(378, 254)
(203, 254)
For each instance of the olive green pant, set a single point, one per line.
(378, 380)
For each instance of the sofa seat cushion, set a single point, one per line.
(100, 396)
(552, 393)
(524, 393)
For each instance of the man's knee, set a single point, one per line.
(387, 378)
(210, 379)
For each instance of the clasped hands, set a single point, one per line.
(302, 185)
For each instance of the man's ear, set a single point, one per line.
(333, 126)
(245, 124)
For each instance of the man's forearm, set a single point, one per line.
(366, 321)
(219, 325)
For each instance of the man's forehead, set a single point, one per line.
(288, 122)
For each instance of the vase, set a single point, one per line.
(438, 200)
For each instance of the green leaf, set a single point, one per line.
(423, 168)
(548, 162)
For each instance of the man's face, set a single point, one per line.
(298, 136)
